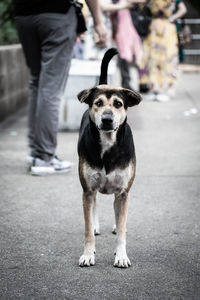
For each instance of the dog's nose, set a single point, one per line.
(107, 119)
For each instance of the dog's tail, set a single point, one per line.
(104, 65)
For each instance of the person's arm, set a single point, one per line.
(123, 4)
(99, 26)
(111, 7)
(180, 12)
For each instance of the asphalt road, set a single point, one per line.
(41, 220)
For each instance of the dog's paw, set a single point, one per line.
(87, 260)
(96, 232)
(122, 261)
(114, 230)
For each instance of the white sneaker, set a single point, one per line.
(150, 96)
(30, 157)
(55, 166)
(29, 160)
(162, 97)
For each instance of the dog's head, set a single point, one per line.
(108, 105)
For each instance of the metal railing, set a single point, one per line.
(192, 21)
(192, 51)
(195, 36)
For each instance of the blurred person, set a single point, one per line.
(78, 51)
(108, 8)
(47, 30)
(159, 64)
(179, 12)
(93, 51)
(127, 39)
(141, 17)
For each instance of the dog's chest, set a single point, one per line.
(113, 182)
(107, 141)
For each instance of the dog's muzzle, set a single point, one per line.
(107, 121)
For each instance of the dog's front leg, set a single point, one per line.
(96, 219)
(121, 209)
(88, 257)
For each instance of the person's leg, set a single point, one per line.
(125, 73)
(57, 34)
(26, 27)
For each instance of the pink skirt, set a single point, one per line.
(128, 41)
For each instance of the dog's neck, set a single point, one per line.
(107, 140)
(108, 150)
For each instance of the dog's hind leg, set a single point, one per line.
(88, 257)
(96, 219)
(114, 230)
(121, 210)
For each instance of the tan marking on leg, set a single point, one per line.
(88, 258)
(121, 210)
(96, 219)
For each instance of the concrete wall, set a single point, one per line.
(83, 74)
(13, 80)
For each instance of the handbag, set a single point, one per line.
(141, 18)
(81, 25)
(184, 34)
(183, 30)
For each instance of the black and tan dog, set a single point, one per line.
(106, 159)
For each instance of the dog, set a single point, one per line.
(106, 159)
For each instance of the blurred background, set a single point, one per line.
(13, 87)
(41, 220)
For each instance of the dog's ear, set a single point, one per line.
(83, 95)
(131, 97)
(86, 95)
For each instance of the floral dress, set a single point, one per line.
(159, 63)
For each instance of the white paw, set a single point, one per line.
(87, 260)
(96, 232)
(122, 261)
(114, 230)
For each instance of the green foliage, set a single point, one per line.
(8, 34)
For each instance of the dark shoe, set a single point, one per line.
(143, 88)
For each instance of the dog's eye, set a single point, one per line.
(99, 103)
(117, 104)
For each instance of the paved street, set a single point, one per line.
(41, 219)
